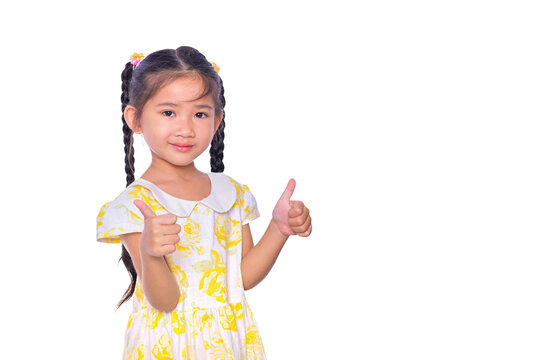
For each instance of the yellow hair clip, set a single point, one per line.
(135, 59)
(216, 67)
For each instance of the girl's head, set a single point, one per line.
(164, 68)
(160, 73)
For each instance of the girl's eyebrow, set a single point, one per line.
(204, 106)
(166, 104)
(172, 104)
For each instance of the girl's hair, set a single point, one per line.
(139, 85)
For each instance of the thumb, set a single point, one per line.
(145, 209)
(289, 190)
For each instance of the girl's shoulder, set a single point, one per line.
(128, 195)
(245, 200)
(230, 194)
(240, 188)
(120, 215)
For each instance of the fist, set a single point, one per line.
(160, 232)
(291, 216)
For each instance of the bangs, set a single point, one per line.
(156, 81)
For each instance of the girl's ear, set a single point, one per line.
(218, 121)
(130, 116)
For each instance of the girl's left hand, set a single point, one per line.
(291, 216)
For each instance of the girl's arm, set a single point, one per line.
(289, 217)
(159, 284)
(148, 249)
(258, 260)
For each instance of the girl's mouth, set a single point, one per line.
(182, 147)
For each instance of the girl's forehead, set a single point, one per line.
(183, 89)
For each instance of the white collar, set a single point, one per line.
(222, 197)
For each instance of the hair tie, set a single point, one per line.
(216, 67)
(135, 59)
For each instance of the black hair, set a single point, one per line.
(139, 85)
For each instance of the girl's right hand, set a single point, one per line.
(160, 232)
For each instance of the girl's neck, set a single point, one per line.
(159, 173)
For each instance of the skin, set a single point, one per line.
(177, 114)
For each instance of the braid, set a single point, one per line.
(217, 145)
(129, 160)
(217, 149)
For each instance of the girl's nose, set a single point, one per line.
(184, 127)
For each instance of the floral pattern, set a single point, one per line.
(212, 319)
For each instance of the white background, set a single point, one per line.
(411, 128)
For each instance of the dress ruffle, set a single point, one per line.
(194, 333)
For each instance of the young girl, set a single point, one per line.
(185, 234)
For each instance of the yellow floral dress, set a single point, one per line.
(212, 319)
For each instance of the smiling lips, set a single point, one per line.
(182, 147)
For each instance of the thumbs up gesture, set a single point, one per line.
(291, 216)
(160, 232)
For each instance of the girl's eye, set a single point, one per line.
(200, 115)
(168, 113)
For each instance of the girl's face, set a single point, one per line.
(177, 123)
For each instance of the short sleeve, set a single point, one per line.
(116, 218)
(249, 206)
